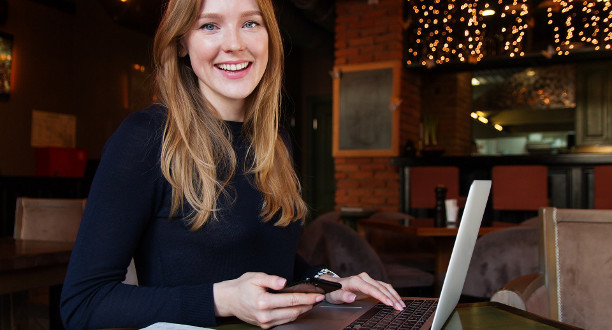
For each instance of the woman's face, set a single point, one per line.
(228, 49)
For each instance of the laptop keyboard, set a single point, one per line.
(381, 316)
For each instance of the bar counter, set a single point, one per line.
(570, 175)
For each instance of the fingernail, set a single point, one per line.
(403, 304)
(398, 307)
(351, 297)
(320, 298)
(281, 281)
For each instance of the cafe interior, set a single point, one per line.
(394, 107)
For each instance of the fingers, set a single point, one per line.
(281, 300)
(280, 308)
(364, 284)
(269, 281)
(278, 316)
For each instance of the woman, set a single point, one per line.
(200, 190)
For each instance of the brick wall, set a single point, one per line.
(373, 33)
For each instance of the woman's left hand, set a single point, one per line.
(361, 286)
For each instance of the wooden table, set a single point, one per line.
(28, 264)
(444, 239)
(484, 315)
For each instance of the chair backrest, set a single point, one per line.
(350, 254)
(576, 263)
(54, 219)
(48, 219)
(517, 187)
(501, 256)
(425, 179)
(384, 240)
(603, 187)
(311, 244)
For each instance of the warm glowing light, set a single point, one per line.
(474, 115)
(498, 127)
(483, 120)
(468, 31)
(475, 82)
(581, 24)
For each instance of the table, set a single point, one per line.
(483, 315)
(28, 264)
(444, 238)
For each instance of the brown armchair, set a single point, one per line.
(350, 254)
(574, 282)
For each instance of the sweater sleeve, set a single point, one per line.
(124, 196)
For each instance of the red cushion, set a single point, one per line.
(423, 182)
(520, 187)
(603, 187)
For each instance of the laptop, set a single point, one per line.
(432, 313)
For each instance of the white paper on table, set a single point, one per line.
(171, 326)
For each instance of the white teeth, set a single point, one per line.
(233, 67)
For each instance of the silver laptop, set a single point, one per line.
(433, 312)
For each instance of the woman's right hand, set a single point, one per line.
(248, 299)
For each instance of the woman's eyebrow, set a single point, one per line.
(217, 16)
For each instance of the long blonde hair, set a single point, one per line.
(195, 143)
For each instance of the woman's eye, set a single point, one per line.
(251, 24)
(208, 27)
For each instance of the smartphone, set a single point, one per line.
(310, 285)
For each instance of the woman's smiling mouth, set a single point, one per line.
(233, 67)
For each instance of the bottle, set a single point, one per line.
(440, 209)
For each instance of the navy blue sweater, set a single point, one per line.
(127, 215)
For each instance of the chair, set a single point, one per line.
(501, 256)
(401, 248)
(519, 188)
(350, 254)
(425, 179)
(48, 219)
(573, 284)
(603, 187)
(52, 219)
(311, 244)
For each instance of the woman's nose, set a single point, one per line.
(233, 41)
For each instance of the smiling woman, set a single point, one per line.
(200, 189)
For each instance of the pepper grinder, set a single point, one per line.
(440, 209)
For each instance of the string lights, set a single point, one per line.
(442, 31)
(579, 24)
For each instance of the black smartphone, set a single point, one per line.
(310, 285)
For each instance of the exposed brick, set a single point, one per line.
(340, 175)
(347, 167)
(366, 41)
(386, 175)
(373, 167)
(373, 200)
(360, 175)
(347, 52)
(347, 184)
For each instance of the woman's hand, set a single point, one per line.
(247, 298)
(361, 286)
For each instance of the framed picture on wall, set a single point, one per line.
(366, 113)
(6, 59)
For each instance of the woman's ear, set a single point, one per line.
(182, 50)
